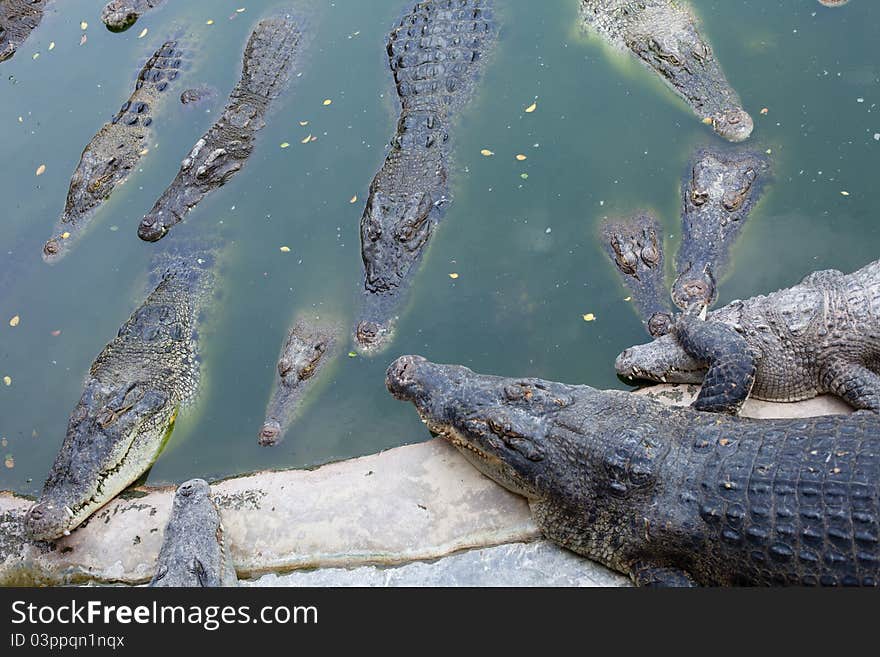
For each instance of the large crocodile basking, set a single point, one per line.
(18, 18)
(268, 58)
(112, 154)
(668, 496)
(665, 36)
(119, 15)
(193, 551)
(310, 344)
(820, 336)
(132, 394)
(435, 56)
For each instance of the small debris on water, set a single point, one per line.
(83, 25)
(55, 333)
(326, 102)
(9, 462)
(51, 45)
(844, 193)
(210, 21)
(520, 157)
(453, 275)
(285, 144)
(589, 317)
(14, 321)
(284, 249)
(352, 354)
(306, 139)
(7, 380)
(143, 33)
(486, 153)
(41, 170)
(531, 108)
(83, 39)
(353, 199)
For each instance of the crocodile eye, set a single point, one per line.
(699, 197)
(106, 418)
(284, 366)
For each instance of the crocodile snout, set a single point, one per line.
(401, 378)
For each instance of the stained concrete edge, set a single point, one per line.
(414, 503)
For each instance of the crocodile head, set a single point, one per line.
(119, 15)
(661, 360)
(500, 425)
(113, 436)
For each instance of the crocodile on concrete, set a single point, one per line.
(636, 249)
(119, 15)
(112, 154)
(665, 36)
(718, 193)
(132, 394)
(310, 344)
(18, 18)
(193, 551)
(435, 55)
(268, 58)
(820, 336)
(668, 496)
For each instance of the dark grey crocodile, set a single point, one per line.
(268, 58)
(435, 56)
(193, 551)
(820, 336)
(119, 15)
(112, 154)
(665, 36)
(132, 394)
(636, 248)
(18, 18)
(668, 496)
(310, 344)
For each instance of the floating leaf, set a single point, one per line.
(326, 102)
(352, 354)
(9, 462)
(306, 140)
(65, 235)
(353, 199)
(285, 249)
(52, 45)
(210, 21)
(524, 176)
(240, 10)
(143, 33)
(83, 26)
(764, 110)
(304, 123)
(520, 157)
(486, 153)
(453, 275)
(531, 108)
(14, 321)
(627, 298)
(844, 193)
(41, 169)
(589, 317)
(7, 380)
(708, 120)
(36, 54)
(285, 144)
(83, 39)
(55, 333)
(143, 151)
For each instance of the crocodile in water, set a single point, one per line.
(18, 18)
(119, 15)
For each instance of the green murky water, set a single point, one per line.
(606, 139)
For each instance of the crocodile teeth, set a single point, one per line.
(67, 532)
(69, 511)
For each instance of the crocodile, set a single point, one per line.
(119, 15)
(132, 393)
(667, 496)
(114, 152)
(636, 248)
(310, 344)
(18, 18)
(197, 96)
(435, 54)
(223, 150)
(193, 551)
(820, 336)
(665, 36)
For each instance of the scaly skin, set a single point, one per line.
(664, 35)
(131, 397)
(434, 56)
(268, 58)
(667, 496)
(310, 345)
(820, 336)
(113, 154)
(636, 249)
(119, 15)
(18, 18)
(193, 551)
(718, 194)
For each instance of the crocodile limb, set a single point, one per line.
(718, 193)
(18, 18)
(310, 345)
(268, 58)
(636, 249)
(119, 15)
(112, 154)
(132, 394)
(193, 551)
(435, 56)
(665, 36)
(668, 496)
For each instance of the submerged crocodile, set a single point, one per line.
(310, 344)
(112, 154)
(193, 551)
(434, 56)
(132, 394)
(820, 336)
(665, 36)
(223, 150)
(119, 15)
(18, 18)
(668, 496)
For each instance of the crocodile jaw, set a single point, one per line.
(661, 360)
